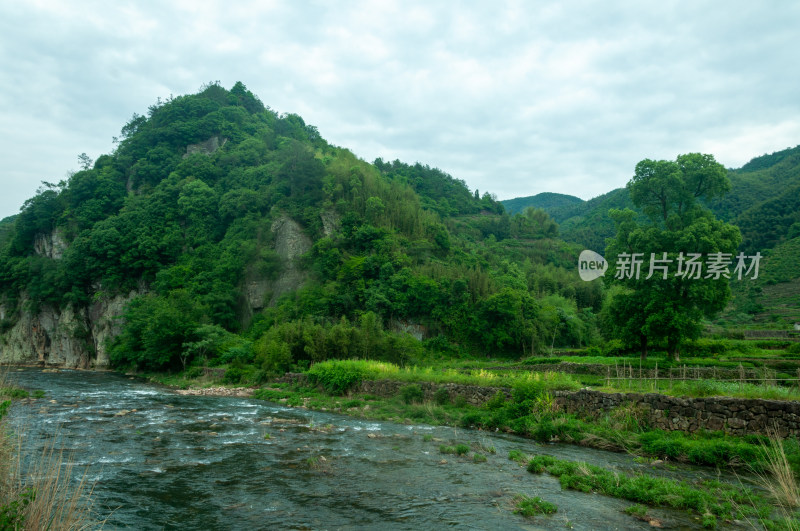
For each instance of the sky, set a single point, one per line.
(515, 98)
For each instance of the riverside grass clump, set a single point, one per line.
(36, 490)
(711, 499)
(338, 376)
(531, 506)
(458, 449)
(531, 412)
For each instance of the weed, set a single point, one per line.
(412, 394)
(497, 401)
(528, 507)
(441, 396)
(459, 449)
(336, 377)
(655, 491)
(478, 458)
(779, 479)
(518, 456)
(427, 437)
(639, 511)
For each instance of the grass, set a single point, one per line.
(36, 491)
(702, 388)
(622, 429)
(531, 506)
(711, 499)
(379, 370)
(778, 477)
(459, 449)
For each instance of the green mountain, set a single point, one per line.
(764, 202)
(548, 201)
(222, 232)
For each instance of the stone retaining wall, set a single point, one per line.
(690, 373)
(472, 394)
(736, 416)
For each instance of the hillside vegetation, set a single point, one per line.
(252, 240)
(764, 202)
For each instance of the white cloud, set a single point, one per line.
(512, 97)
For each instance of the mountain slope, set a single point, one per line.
(763, 201)
(552, 203)
(227, 233)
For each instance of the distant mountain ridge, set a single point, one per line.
(548, 201)
(764, 202)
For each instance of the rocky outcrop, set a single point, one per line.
(105, 323)
(290, 243)
(51, 245)
(207, 148)
(416, 330)
(330, 222)
(66, 337)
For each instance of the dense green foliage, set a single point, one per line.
(667, 307)
(548, 201)
(181, 216)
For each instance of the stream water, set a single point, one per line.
(159, 460)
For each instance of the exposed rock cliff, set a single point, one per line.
(66, 337)
(51, 245)
(290, 243)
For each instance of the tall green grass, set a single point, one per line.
(378, 370)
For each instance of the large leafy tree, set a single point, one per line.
(655, 303)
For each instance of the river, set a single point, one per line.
(159, 460)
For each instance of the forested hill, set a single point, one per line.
(228, 233)
(764, 202)
(553, 203)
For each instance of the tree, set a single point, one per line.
(657, 303)
(85, 161)
(661, 187)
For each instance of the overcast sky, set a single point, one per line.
(515, 98)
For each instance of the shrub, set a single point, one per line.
(233, 375)
(194, 372)
(336, 377)
(472, 419)
(441, 396)
(497, 401)
(527, 390)
(411, 394)
(614, 347)
(794, 348)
